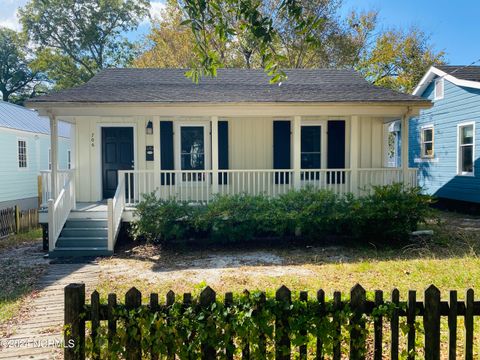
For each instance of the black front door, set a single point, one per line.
(117, 154)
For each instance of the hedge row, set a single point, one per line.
(387, 216)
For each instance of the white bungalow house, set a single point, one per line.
(143, 130)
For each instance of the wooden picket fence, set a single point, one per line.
(430, 311)
(28, 220)
(13, 220)
(7, 222)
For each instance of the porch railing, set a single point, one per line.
(59, 208)
(201, 186)
(115, 207)
(46, 183)
(384, 176)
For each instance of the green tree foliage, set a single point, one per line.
(17, 79)
(399, 59)
(276, 34)
(78, 38)
(169, 44)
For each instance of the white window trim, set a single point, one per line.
(207, 139)
(459, 172)
(26, 154)
(440, 97)
(323, 140)
(422, 142)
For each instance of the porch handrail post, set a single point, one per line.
(297, 128)
(404, 134)
(354, 153)
(214, 132)
(53, 155)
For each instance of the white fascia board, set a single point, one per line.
(433, 71)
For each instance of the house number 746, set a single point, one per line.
(92, 140)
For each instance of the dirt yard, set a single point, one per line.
(449, 260)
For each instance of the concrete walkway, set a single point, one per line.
(36, 334)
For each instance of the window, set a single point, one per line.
(311, 147)
(438, 89)
(192, 151)
(427, 142)
(465, 149)
(22, 154)
(69, 159)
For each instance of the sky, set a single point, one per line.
(452, 25)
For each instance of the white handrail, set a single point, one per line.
(46, 176)
(115, 207)
(59, 209)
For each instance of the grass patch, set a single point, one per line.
(20, 268)
(20, 239)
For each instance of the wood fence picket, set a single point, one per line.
(431, 310)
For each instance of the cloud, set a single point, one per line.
(156, 8)
(11, 23)
(9, 12)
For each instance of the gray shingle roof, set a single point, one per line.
(471, 73)
(231, 85)
(19, 118)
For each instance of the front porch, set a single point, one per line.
(193, 159)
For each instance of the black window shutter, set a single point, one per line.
(166, 152)
(223, 151)
(336, 150)
(281, 150)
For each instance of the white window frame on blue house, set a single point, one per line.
(25, 160)
(423, 142)
(459, 145)
(436, 95)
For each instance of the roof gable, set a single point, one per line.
(467, 76)
(230, 86)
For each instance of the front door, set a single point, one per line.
(117, 154)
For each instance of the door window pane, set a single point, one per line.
(311, 147)
(192, 144)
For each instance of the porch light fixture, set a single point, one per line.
(149, 128)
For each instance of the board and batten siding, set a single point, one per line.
(439, 176)
(21, 183)
(250, 144)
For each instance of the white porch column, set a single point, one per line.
(354, 152)
(54, 155)
(214, 131)
(156, 153)
(297, 140)
(404, 133)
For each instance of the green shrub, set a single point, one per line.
(390, 214)
(387, 216)
(162, 220)
(236, 218)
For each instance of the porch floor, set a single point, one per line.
(91, 206)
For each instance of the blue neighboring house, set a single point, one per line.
(444, 139)
(24, 152)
